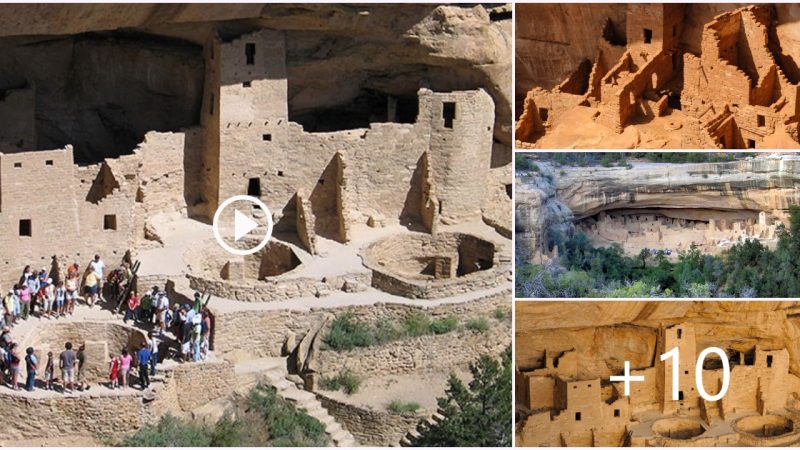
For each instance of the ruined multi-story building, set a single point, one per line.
(731, 92)
(568, 409)
(429, 171)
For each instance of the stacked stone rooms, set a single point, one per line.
(387, 172)
(566, 353)
(657, 76)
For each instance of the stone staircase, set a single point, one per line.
(408, 439)
(273, 372)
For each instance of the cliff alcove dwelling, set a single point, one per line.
(697, 75)
(379, 138)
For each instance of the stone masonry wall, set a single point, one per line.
(368, 426)
(424, 353)
(262, 333)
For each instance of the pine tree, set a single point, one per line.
(477, 415)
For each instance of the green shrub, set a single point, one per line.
(417, 324)
(287, 425)
(479, 324)
(401, 407)
(386, 331)
(345, 380)
(500, 313)
(346, 334)
(170, 431)
(444, 325)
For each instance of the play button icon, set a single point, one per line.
(242, 224)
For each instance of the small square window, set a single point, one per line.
(762, 121)
(49, 162)
(250, 53)
(18, 165)
(616, 413)
(266, 137)
(648, 35)
(110, 222)
(280, 173)
(578, 416)
(25, 228)
(246, 84)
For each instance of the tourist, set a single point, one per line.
(13, 364)
(143, 356)
(183, 324)
(48, 296)
(25, 301)
(125, 367)
(66, 362)
(162, 305)
(197, 326)
(133, 307)
(8, 305)
(33, 288)
(71, 286)
(27, 272)
(91, 287)
(60, 300)
(153, 342)
(98, 267)
(198, 302)
(31, 366)
(206, 330)
(113, 371)
(80, 361)
(186, 350)
(146, 308)
(49, 372)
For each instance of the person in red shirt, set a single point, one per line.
(133, 307)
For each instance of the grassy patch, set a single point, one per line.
(401, 407)
(347, 333)
(500, 313)
(345, 380)
(479, 324)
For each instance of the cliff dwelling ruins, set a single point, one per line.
(379, 137)
(657, 76)
(660, 207)
(567, 353)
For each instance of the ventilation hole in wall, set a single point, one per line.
(246, 84)
(280, 173)
(578, 416)
(321, 181)
(680, 333)
(266, 137)
(680, 395)
(25, 228)
(110, 222)
(616, 413)
(769, 360)
(448, 114)
(49, 162)
(18, 165)
(250, 53)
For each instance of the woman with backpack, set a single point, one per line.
(13, 363)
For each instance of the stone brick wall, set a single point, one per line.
(424, 353)
(94, 414)
(273, 289)
(197, 384)
(262, 333)
(368, 426)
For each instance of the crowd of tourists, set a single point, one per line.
(36, 295)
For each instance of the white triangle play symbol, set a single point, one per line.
(242, 225)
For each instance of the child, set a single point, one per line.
(48, 296)
(186, 349)
(113, 371)
(61, 296)
(48, 372)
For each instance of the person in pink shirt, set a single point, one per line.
(25, 300)
(124, 367)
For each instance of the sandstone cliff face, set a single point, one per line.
(756, 184)
(549, 46)
(605, 334)
(339, 57)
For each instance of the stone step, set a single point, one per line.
(348, 442)
(333, 428)
(282, 385)
(297, 396)
(340, 435)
